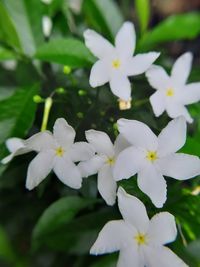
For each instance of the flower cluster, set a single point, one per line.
(136, 150)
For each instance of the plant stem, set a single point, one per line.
(47, 108)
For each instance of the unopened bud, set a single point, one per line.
(124, 105)
(60, 91)
(67, 70)
(38, 99)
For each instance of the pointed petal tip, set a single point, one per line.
(7, 159)
(188, 55)
(60, 120)
(94, 251)
(110, 202)
(121, 191)
(128, 24)
(29, 186)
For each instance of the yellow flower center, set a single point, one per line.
(59, 152)
(116, 63)
(141, 239)
(152, 155)
(110, 161)
(170, 92)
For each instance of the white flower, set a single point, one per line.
(103, 162)
(152, 157)
(140, 240)
(56, 152)
(47, 25)
(117, 63)
(173, 94)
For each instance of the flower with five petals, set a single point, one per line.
(140, 240)
(103, 162)
(116, 63)
(56, 152)
(151, 157)
(172, 93)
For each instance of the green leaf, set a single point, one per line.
(192, 146)
(54, 7)
(6, 54)
(6, 251)
(104, 16)
(8, 32)
(71, 52)
(58, 215)
(17, 113)
(26, 16)
(78, 235)
(143, 13)
(176, 27)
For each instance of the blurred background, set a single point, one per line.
(42, 53)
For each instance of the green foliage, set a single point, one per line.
(6, 251)
(6, 54)
(17, 113)
(26, 16)
(71, 52)
(8, 32)
(77, 236)
(143, 13)
(55, 225)
(101, 15)
(176, 27)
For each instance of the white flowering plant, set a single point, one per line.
(99, 135)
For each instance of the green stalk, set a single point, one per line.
(47, 108)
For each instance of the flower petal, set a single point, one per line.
(190, 94)
(180, 166)
(101, 142)
(106, 185)
(67, 172)
(175, 110)
(97, 44)
(152, 183)
(158, 104)
(114, 236)
(40, 141)
(20, 151)
(121, 87)
(14, 143)
(17, 147)
(162, 228)
(81, 151)
(138, 133)
(99, 74)
(39, 168)
(133, 210)
(91, 166)
(130, 257)
(125, 40)
(63, 133)
(157, 77)
(120, 144)
(141, 63)
(182, 68)
(172, 137)
(162, 256)
(128, 163)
